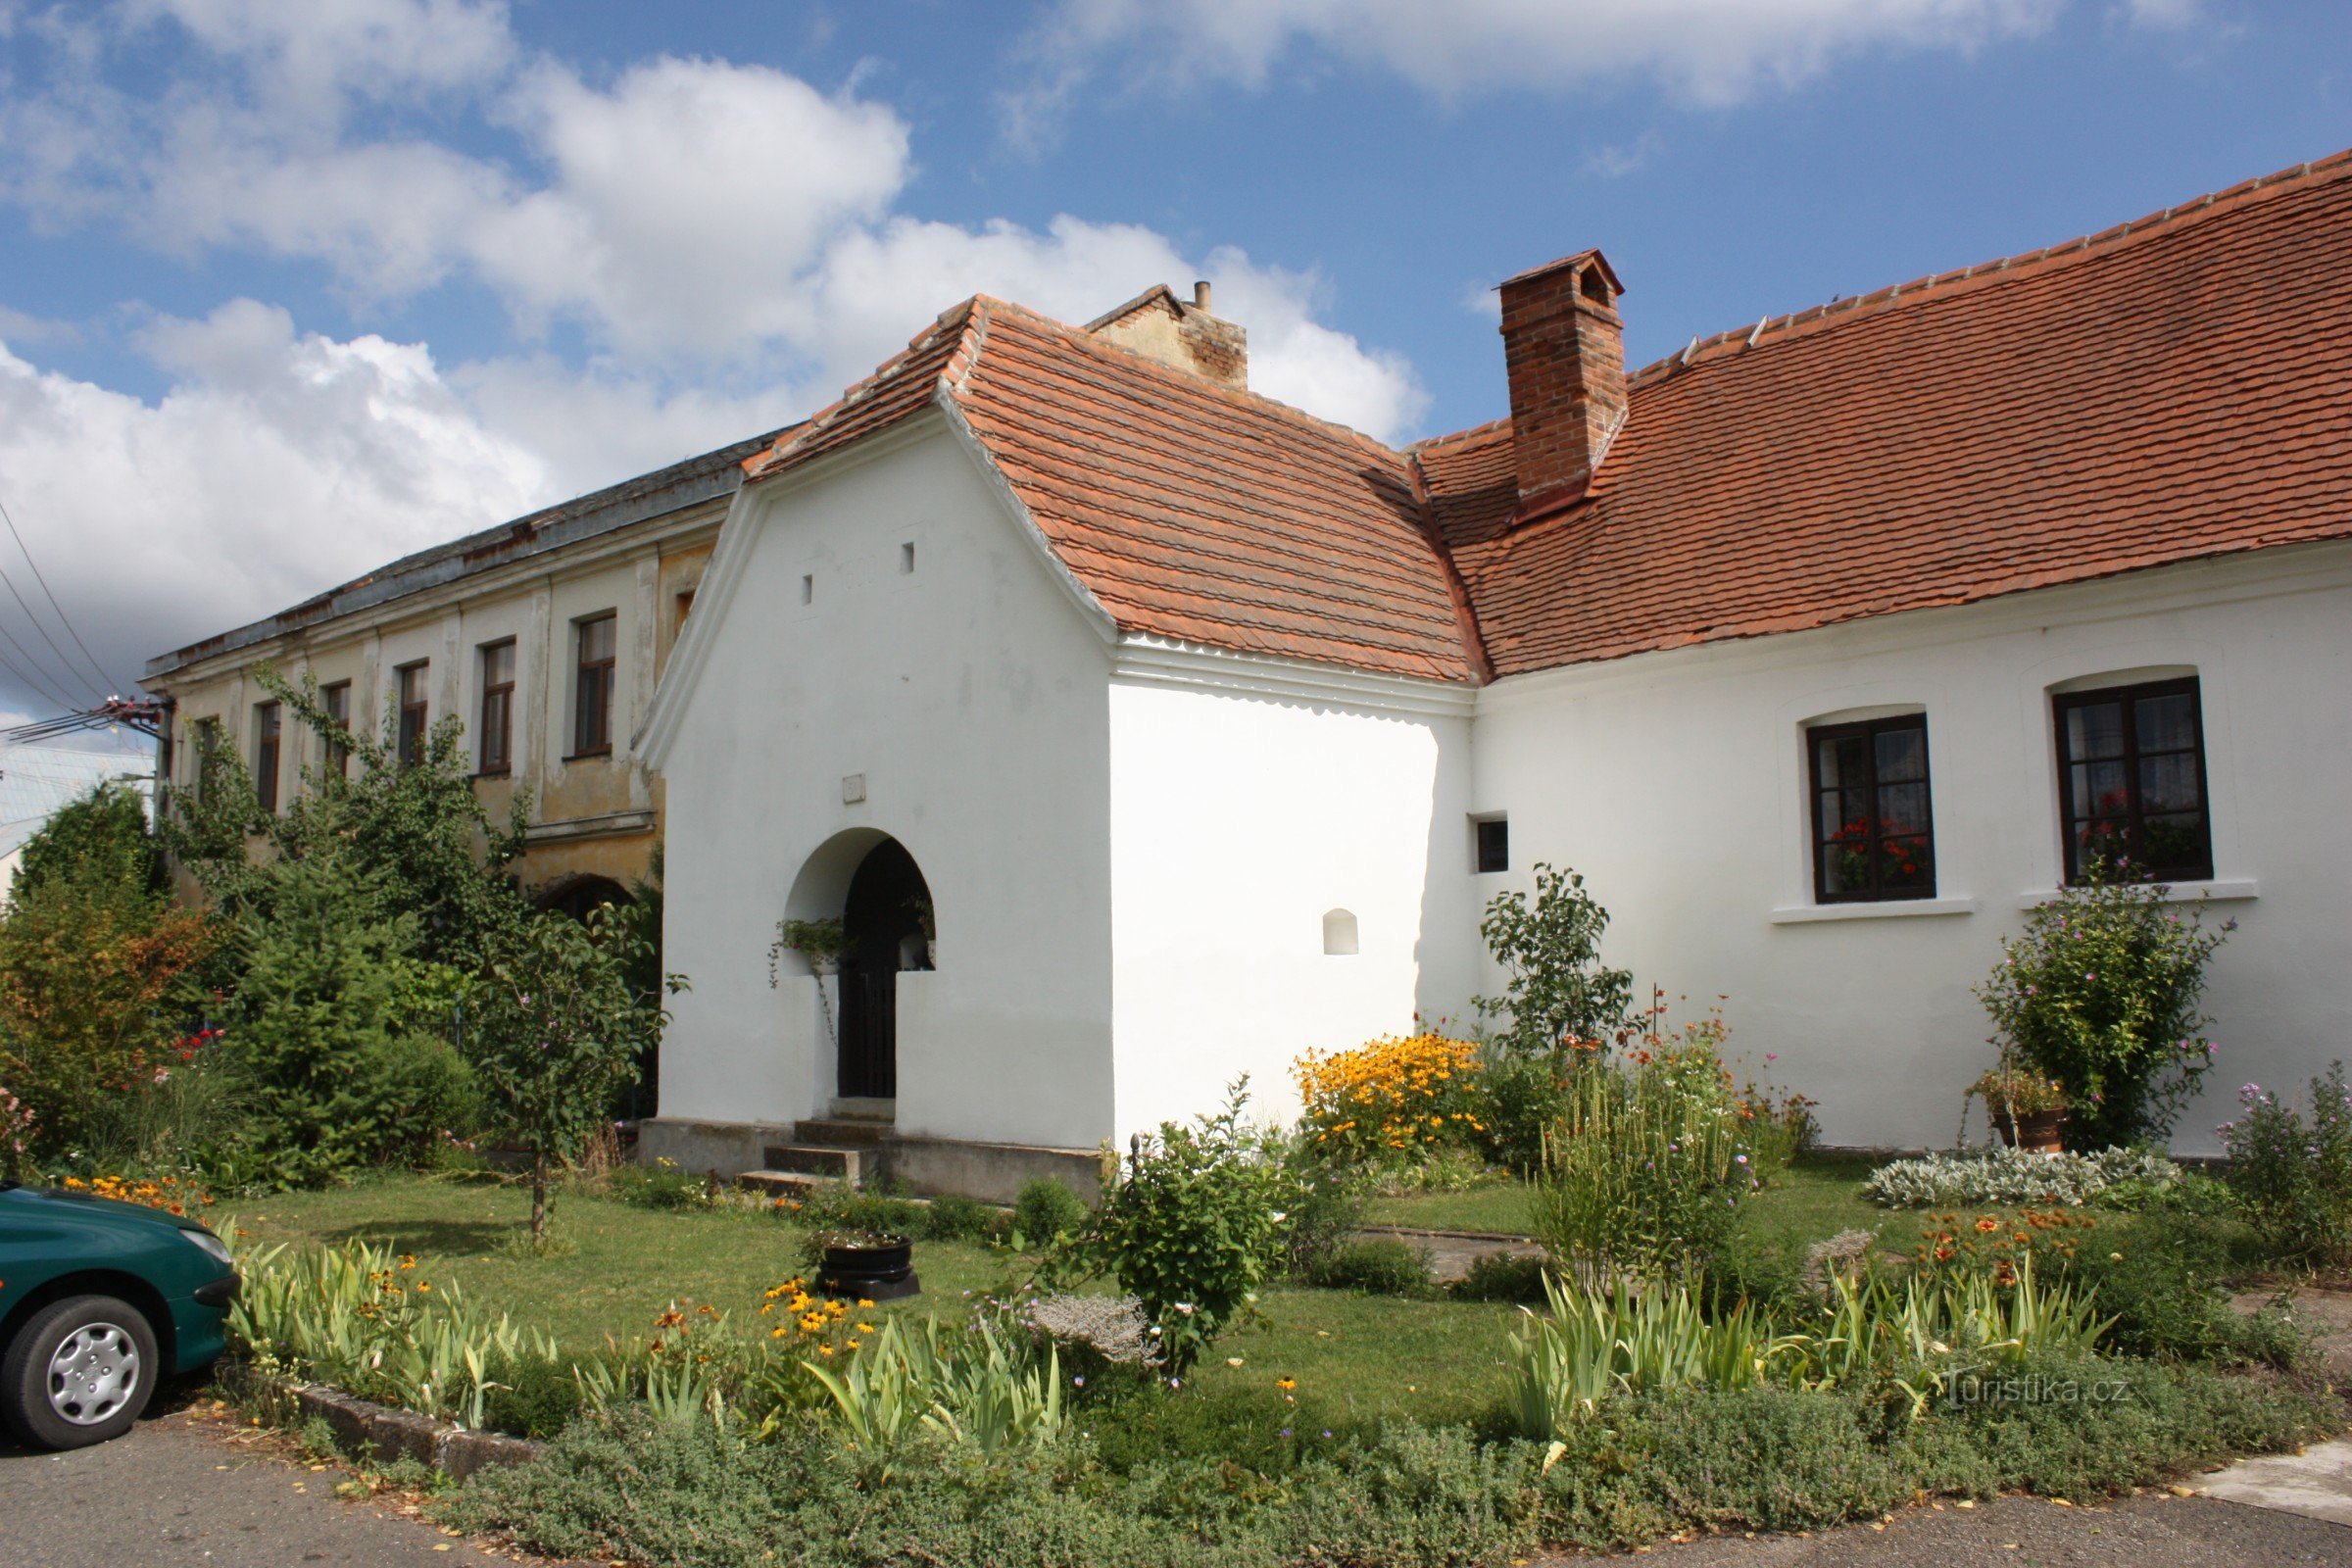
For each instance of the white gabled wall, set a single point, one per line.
(969, 693)
(1674, 781)
(1238, 823)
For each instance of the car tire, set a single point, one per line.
(78, 1372)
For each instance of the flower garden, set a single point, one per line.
(1240, 1353)
(1720, 1328)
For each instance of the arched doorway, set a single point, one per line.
(887, 927)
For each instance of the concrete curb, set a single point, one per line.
(382, 1432)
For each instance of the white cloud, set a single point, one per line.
(1615, 160)
(730, 240)
(276, 465)
(1706, 51)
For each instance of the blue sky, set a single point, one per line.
(289, 289)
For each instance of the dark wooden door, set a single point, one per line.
(887, 901)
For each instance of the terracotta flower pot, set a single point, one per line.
(2040, 1132)
(879, 1273)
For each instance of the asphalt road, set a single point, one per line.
(194, 1490)
(191, 1489)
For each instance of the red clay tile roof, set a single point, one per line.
(2167, 390)
(1190, 511)
(2170, 389)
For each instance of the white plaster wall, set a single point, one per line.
(1675, 782)
(1237, 824)
(970, 696)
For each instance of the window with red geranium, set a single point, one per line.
(2131, 778)
(1873, 835)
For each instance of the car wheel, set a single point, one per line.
(78, 1372)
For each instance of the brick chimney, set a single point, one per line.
(1563, 345)
(1191, 336)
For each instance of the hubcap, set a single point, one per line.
(94, 1374)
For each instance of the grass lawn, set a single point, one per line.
(1354, 1356)
(1819, 1197)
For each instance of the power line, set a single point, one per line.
(66, 670)
(63, 620)
(40, 688)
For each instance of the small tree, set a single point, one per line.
(418, 827)
(95, 971)
(1560, 991)
(2101, 994)
(556, 1035)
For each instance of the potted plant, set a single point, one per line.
(820, 942)
(2027, 1111)
(854, 1262)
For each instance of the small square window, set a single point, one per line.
(1493, 844)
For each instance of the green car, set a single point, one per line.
(99, 1302)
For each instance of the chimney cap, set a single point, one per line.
(1201, 296)
(1581, 260)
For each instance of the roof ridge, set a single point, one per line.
(1188, 379)
(1466, 433)
(956, 317)
(1707, 349)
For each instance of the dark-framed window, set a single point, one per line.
(2131, 780)
(592, 685)
(1874, 827)
(415, 712)
(268, 733)
(498, 706)
(1493, 844)
(336, 702)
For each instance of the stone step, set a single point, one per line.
(790, 1184)
(816, 1159)
(840, 1130)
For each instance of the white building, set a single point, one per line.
(1199, 731)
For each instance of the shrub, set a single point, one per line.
(960, 1219)
(838, 1206)
(97, 972)
(2293, 1178)
(1500, 1277)
(1189, 1226)
(1390, 1103)
(2101, 994)
(1516, 1098)
(1557, 994)
(2014, 1177)
(1648, 1165)
(1381, 1266)
(1045, 1208)
(533, 1397)
(2165, 1278)
(659, 1185)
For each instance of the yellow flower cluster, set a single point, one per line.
(813, 1322)
(1393, 1096)
(167, 1193)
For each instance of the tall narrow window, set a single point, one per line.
(336, 702)
(1873, 835)
(592, 689)
(498, 706)
(413, 715)
(204, 736)
(2132, 774)
(266, 735)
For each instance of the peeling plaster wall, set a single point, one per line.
(969, 696)
(1675, 782)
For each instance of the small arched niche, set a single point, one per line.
(1339, 934)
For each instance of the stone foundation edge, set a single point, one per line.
(929, 1167)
